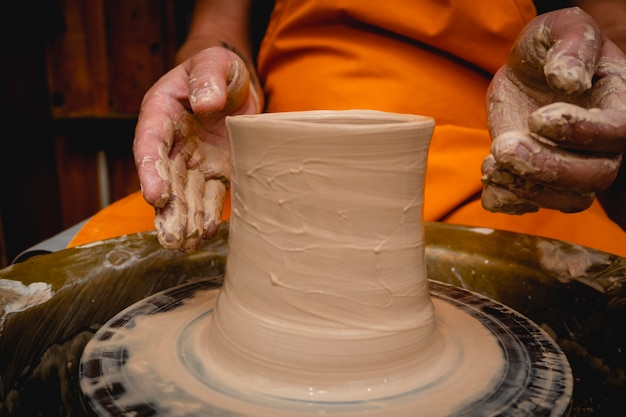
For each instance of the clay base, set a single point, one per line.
(128, 366)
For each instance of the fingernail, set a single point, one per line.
(568, 75)
(207, 92)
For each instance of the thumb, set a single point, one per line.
(239, 89)
(219, 83)
(558, 49)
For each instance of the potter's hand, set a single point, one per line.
(181, 146)
(557, 116)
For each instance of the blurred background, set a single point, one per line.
(72, 78)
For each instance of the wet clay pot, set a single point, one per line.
(325, 280)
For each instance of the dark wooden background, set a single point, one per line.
(72, 78)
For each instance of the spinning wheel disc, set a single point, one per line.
(134, 364)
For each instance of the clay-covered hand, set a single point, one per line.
(181, 145)
(557, 117)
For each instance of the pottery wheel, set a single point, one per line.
(134, 366)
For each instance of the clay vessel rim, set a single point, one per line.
(348, 119)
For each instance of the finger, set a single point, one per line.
(240, 89)
(560, 49)
(519, 200)
(219, 83)
(151, 145)
(571, 61)
(542, 163)
(171, 219)
(609, 86)
(170, 231)
(194, 194)
(574, 127)
(204, 210)
(154, 133)
(505, 192)
(498, 198)
(215, 192)
(508, 107)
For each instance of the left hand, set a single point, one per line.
(181, 145)
(557, 116)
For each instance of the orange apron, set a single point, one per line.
(423, 57)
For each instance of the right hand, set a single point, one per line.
(181, 145)
(557, 117)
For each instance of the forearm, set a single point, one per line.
(226, 24)
(222, 23)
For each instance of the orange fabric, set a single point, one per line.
(453, 177)
(428, 57)
(131, 214)
(424, 57)
(590, 228)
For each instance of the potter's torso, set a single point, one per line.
(422, 57)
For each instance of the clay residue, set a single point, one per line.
(568, 262)
(15, 296)
(570, 71)
(195, 176)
